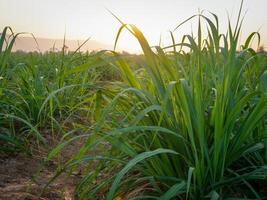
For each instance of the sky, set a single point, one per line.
(81, 19)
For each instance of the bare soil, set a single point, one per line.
(23, 177)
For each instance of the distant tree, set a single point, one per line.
(261, 49)
(125, 53)
(19, 51)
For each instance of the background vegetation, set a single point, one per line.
(187, 121)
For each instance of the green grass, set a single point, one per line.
(186, 125)
(187, 121)
(43, 92)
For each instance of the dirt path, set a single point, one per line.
(19, 177)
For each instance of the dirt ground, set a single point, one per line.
(23, 177)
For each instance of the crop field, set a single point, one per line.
(184, 121)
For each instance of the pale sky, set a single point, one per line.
(85, 18)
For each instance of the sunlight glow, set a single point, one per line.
(84, 18)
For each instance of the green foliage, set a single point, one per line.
(207, 106)
(41, 93)
(187, 121)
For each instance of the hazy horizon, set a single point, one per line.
(81, 19)
(30, 44)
